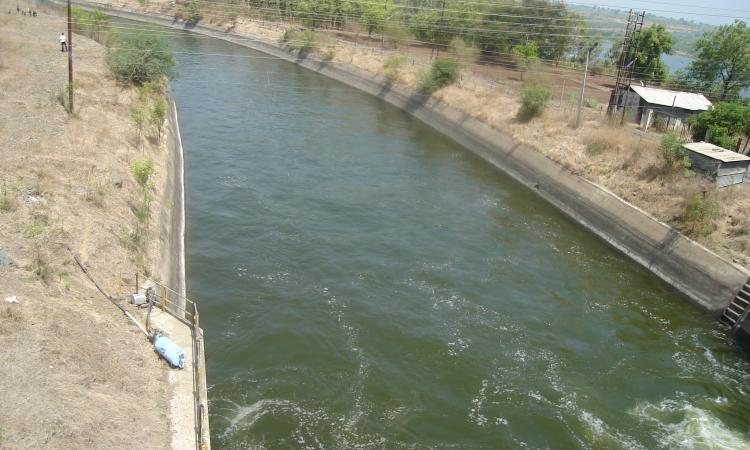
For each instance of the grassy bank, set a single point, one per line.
(75, 372)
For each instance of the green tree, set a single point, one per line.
(723, 58)
(375, 15)
(525, 56)
(654, 42)
(138, 116)
(726, 121)
(158, 114)
(140, 57)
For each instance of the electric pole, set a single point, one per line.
(70, 60)
(583, 89)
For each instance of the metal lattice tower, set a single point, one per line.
(628, 55)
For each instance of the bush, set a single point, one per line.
(141, 57)
(330, 51)
(300, 41)
(674, 154)
(193, 12)
(590, 103)
(142, 171)
(392, 66)
(699, 214)
(533, 102)
(442, 73)
(158, 114)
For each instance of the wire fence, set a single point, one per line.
(186, 311)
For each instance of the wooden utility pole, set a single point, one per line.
(70, 59)
(583, 90)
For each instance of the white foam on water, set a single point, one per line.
(246, 416)
(603, 436)
(680, 424)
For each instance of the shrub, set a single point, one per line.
(699, 214)
(392, 66)
(330, 51)
(442, 73)
(141, 57)
(193, 12)
(158, 114)
(300, 41)
(674, 154)
(533, 102)
(590, 103)
(142, 171)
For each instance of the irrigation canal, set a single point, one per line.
(366, 283)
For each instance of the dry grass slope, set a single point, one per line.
(75, 373)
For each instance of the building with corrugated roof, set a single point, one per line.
(652, 107)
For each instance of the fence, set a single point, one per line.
(186, 311)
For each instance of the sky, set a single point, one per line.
(714, 12)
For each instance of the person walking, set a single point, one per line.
(63, 43)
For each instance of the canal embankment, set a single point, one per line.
(709, 280)
(76, 373)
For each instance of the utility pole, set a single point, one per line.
(583, 89)
(70, 60)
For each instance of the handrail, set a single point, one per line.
(189, 316)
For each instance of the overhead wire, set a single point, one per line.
(509, 66)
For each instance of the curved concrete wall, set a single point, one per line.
(709, 280)
(170, 262)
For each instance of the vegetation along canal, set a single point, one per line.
(364, 282)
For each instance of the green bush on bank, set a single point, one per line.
(533, 101)
(301, 41)
(443, 72)
(140, 58)
(699, 214)
(673, 153)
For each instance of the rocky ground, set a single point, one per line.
(75, 373)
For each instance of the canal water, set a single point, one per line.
(365, 282)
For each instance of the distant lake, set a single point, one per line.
(679, 62)
(676, 62)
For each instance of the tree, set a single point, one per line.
(654, 42)
(141, 57)
(525, 56)
(374, 16)
(726, 121)
(138, 116)
(157, 114)
(723, 57)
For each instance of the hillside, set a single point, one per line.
(685, 32)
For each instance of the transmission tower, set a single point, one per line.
(626, 62)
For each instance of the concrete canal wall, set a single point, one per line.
(709, 280)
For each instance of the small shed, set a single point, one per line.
(648, 106)
(724, 166)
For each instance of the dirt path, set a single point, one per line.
(75, 373)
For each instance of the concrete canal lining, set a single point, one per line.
(709, 280)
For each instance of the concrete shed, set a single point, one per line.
(724, 166)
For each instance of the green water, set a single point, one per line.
(366, 283)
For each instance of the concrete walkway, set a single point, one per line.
(181, 405)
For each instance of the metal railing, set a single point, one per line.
(186, 311)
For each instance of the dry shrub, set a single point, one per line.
(11, 317)
(607, 139)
